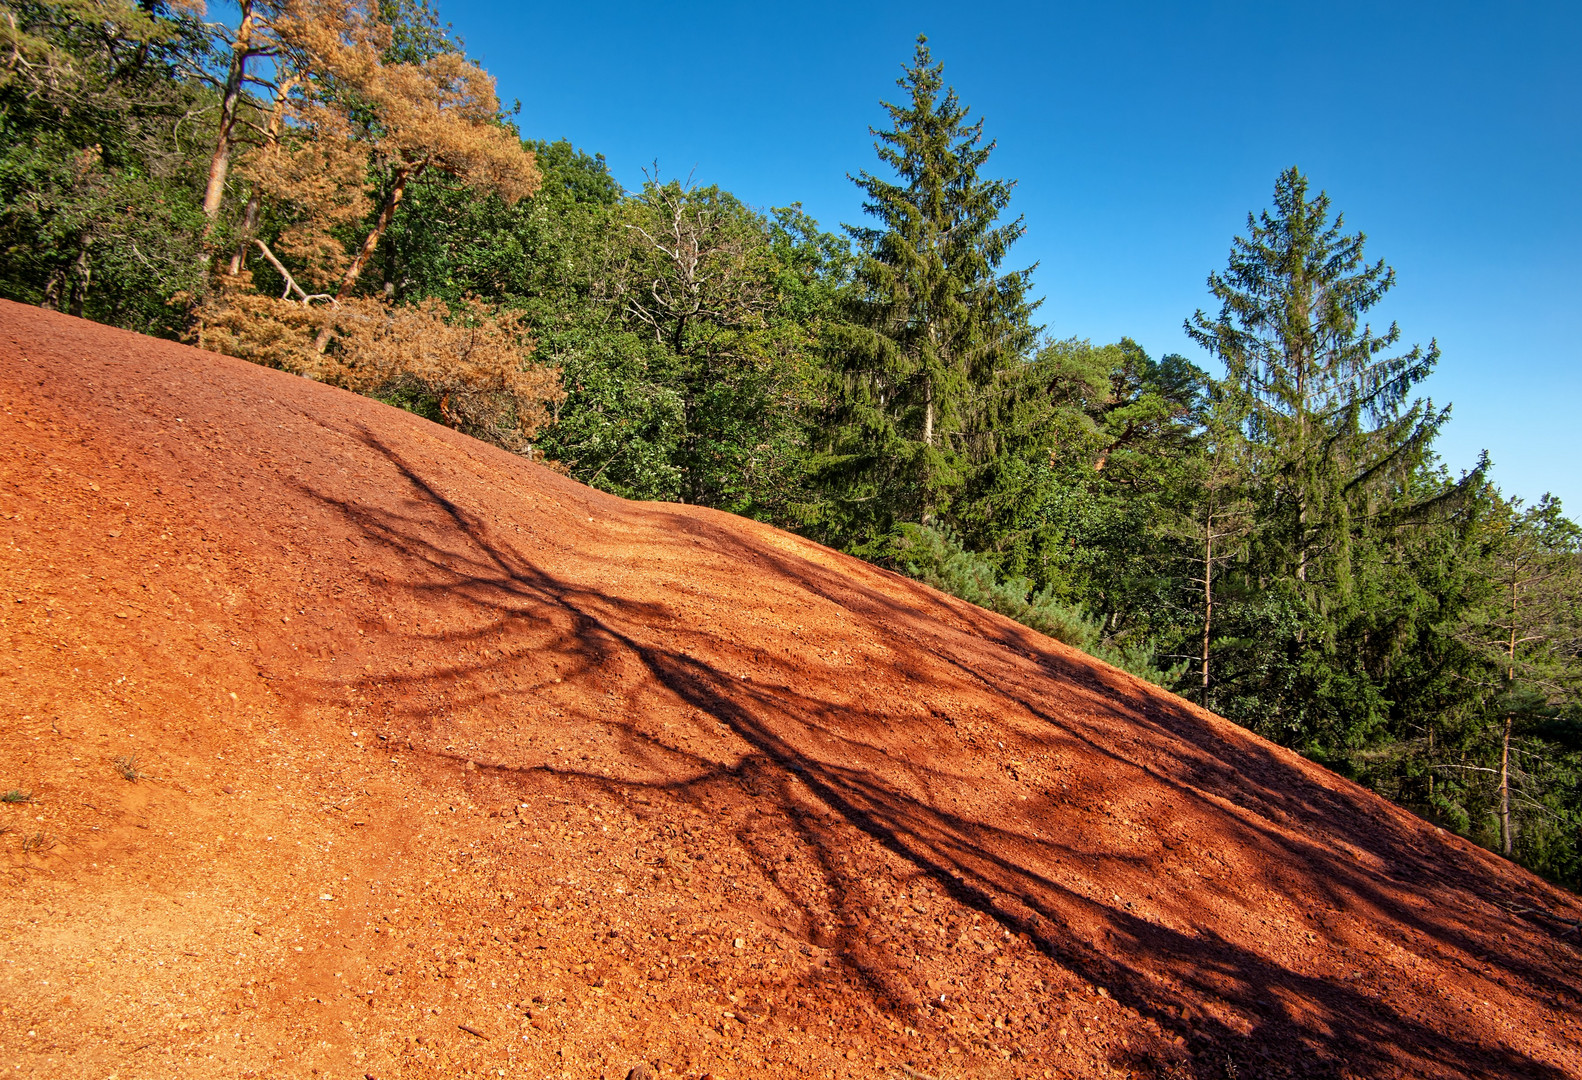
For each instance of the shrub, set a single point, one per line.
(935, 557)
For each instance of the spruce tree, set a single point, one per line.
(1325, 396)
(933, 318)
(1338, 450)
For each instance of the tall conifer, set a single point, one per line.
(1325, 396)
(933, 316)
(1338, 454)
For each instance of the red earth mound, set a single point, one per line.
(446, 765)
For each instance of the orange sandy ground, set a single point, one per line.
(451, 766)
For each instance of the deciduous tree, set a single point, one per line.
(99, 208)
(1529, 629)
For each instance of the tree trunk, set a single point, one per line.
(386, 214)
(1302, 369)
(1301, 540)
(927, 516)
(224, 139)
(80, 278)
(1505, 788)
(1208, 594)
(1430, 763)
(277, 117)
(249, 225)
(1505, 735)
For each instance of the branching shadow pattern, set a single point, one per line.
(813, 741)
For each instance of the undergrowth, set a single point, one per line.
(935, 557)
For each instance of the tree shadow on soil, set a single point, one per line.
(1289, 1022)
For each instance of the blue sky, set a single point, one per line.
(1141, 135)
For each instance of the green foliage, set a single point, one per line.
(937, 558)
(97, 239)
(1325, 405)
(99, 199)
(692, 274)
(549, 257)
(1335, 454)
(1526, 634)
(417, 35)
(932, 319)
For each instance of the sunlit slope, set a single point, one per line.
(449, 763)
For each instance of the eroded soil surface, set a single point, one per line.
(448, 766)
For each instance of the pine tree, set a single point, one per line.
(933, 318)
(352, 127)
(400, 120)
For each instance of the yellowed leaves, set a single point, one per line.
(442, 114)
(472, 361)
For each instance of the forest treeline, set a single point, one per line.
(332, 188)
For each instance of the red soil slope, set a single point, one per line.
(451, 766)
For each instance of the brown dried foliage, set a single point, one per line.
(472, 361)
(357, 130)
(346, 134)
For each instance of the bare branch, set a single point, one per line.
(291, 282)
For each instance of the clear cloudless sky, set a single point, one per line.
(1141, 135)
